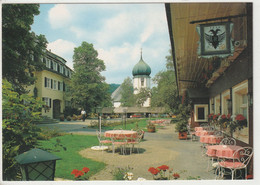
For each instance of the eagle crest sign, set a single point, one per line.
(215, 39)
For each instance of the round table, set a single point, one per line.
(222, 151)
(203, 133)
(211, 139)
(198, 129)
(121, 133)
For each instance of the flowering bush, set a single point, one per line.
(223, 121)
(159, 173)
(80, 174)
(129, 176)
(238, 121)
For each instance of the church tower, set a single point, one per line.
(141, 78)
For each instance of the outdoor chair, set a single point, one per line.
(228, 141)
(224, 141)
(240, 161)
(121, 142)
(135, 141)
(102, 140)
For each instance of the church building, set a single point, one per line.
(141, 78)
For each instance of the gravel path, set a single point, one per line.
(162, 147)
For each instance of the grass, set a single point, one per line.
(70, 158)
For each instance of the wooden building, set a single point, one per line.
(215, 82)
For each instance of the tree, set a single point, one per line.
(19, 132)
(127, 99)
(88, 88)
(142, 96)
(166, 92)
(22, 49)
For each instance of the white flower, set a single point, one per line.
(128, 176)
(141, 179)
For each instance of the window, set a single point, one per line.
(240, 105)
(54, 84)
(61, 69)
(201, 112)
(47, 82)
(225, 96)
(217, 104)
(47, 101)
(142, 81)
(55, 66)
(48, 63)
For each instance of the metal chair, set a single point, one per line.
(228, 141)
(119, 141)
(241, 159)
(135, 140)
(224, 141)
(102, 140)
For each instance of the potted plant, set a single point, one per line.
(181, 127)
(62, 118)
(151, 127)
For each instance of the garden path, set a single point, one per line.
(162, 147)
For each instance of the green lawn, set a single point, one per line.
(70, 158)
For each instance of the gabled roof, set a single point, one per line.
(116, 95)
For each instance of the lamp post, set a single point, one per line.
(99, 111)
(125, 110)
(37, 165)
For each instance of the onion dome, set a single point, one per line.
(141, 68)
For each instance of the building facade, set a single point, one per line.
(215, 83)
(52, 85)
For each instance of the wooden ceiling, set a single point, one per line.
(189, 66)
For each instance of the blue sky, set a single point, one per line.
(117, 31)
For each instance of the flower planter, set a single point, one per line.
(151, 129)
(182, 135)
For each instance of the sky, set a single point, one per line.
(117, 32)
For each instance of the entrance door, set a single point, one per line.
(56, 109)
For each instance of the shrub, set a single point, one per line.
(19, 133)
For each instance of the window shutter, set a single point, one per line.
(63, 86)
(50, 102)
(58, 85)
(51, 83)
(45, 82)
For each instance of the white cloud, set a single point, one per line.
(60, 16)
(64, 49)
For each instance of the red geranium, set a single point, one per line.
(228, 116)
(163, 167)
(176, 176)
(153, 170)
(240, 117)
(74, 171)
(215, 117)
(223, 116)
(85, 169)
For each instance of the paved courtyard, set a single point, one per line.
(160, 148)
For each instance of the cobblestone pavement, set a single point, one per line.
(162, 147)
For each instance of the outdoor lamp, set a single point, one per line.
(37, 165)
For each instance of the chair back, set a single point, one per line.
(218, 133)
(228, 141)
(244, 155)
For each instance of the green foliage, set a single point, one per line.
(88, 88)
(22, 49)
(70, 158)
(181, 126)
(120, 172)
(166, 93)
(18, 129)
(127, 99)
(142, 96)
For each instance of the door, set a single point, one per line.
(56, 109)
